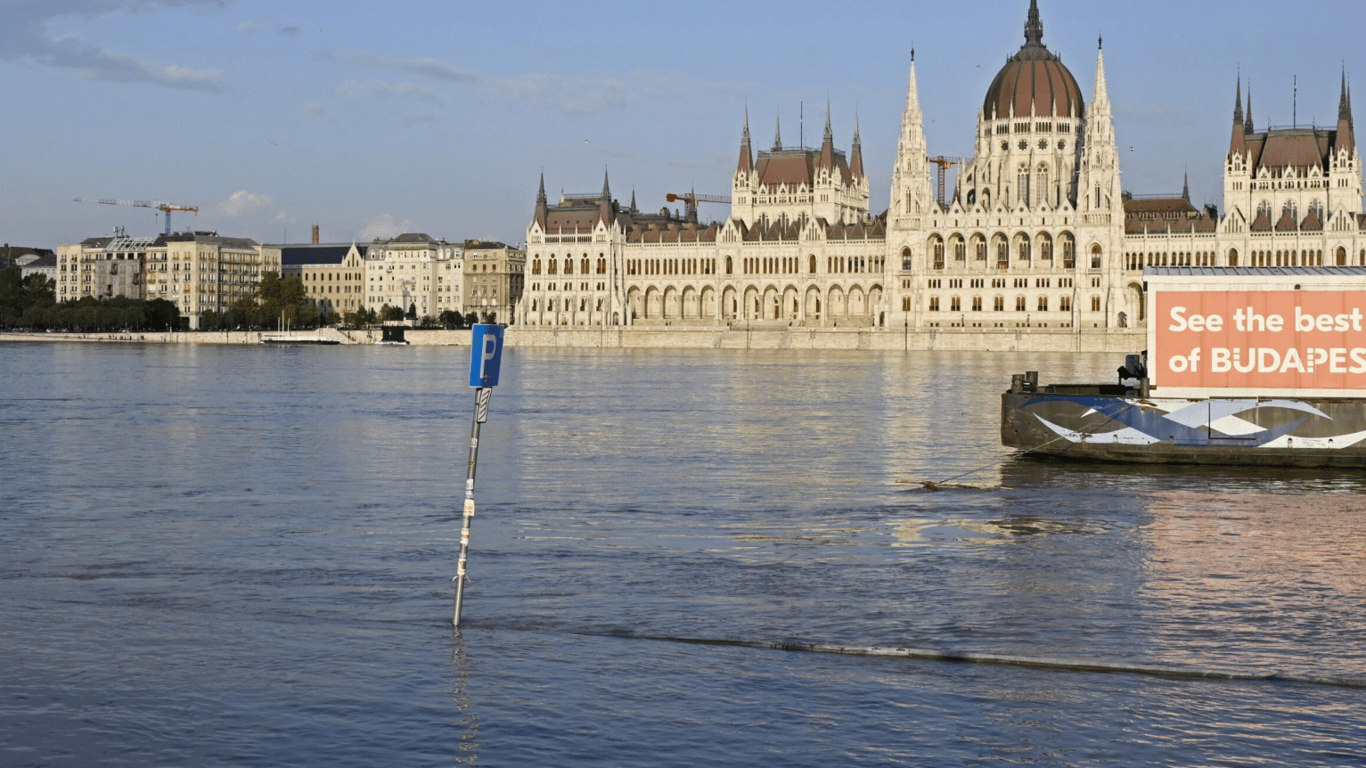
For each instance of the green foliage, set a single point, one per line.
(451, 320)
(20, 296)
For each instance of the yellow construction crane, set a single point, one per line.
(944, 164)
(693, 198)
(164, 207)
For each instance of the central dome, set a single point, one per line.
(1033, 81)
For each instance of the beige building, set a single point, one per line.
(494, 277)
(333, 275)
(1035, 233)
(197, 271)
(415, 272)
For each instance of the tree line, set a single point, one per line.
(280, 302)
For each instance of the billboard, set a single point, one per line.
(1259, 339)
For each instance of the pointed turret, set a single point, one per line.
(1186, 187)
(746, 161)
(1033, 25)
(1345, 139)
(542, 207)
(856, 154)
(1247, 124)
(1098, 181)
(911, 193)
(605, 202)
(778, 135)
(827, 161)
(1237, 144)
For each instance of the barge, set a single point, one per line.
(1249, 366)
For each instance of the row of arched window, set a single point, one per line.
(553, 265)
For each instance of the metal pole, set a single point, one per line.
(481, 414)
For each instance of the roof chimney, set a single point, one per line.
(315, 234)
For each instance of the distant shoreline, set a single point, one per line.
(672, 337)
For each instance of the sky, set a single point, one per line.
(371, 119)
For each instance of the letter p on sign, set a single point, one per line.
(486, 354)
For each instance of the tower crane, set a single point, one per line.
(159, 205)
(944, 164)
(692, 199)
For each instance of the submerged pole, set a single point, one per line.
(486, 353)
(481, 414)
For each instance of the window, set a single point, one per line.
(999, 304)
(1043, 303)
(955, 304)
(976, 303)
(1095, 303)
(934, 304)
(1019, 303)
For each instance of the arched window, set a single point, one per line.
(813, 264)
(730, 266)
(1095, 257)
(536, 266)
(568, 265)
(960, 249)
(979, 246)
(907, 263)
(1022, 185)
(602, 265)
(550, 267)
(937, 251)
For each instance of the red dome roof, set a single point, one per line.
(1033, 80)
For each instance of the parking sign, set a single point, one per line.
(486, 354)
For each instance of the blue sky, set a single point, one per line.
(370, 119)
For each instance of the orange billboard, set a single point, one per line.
(1259, 339)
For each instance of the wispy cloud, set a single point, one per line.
(25, 38)
(378, 89)
(243, 202)
(568, 94)
(384, 226)
(433, 68)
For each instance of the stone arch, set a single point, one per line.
(836, 305)
(791, 306)
(749, 303)
(730, 303)
(811, 308)
(1135, 299)
(635, 302)
(770, 308)
(689, 310)
(670, 308)
(857, 304)
(653, 305)
(707, 304)
(1021, 247)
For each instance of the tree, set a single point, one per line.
(451, 320)
(471, 318)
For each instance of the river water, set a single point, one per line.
(218, 554)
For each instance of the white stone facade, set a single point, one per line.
(1036, 235)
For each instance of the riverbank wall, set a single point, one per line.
(739, 337)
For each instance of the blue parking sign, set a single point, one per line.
(486, 354)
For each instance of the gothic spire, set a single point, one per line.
(1247, 125)
(1237, 144)
(1345, 138)
(540, 195)
(856, 153)
(778, 135)
(746, 161)
(828, 143)
(1186, 187)
(1034, 27)
(606, 187)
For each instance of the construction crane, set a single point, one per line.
(692, 199)
(944, 164)
(164, 207)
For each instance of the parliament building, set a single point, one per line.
(1035, 233)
